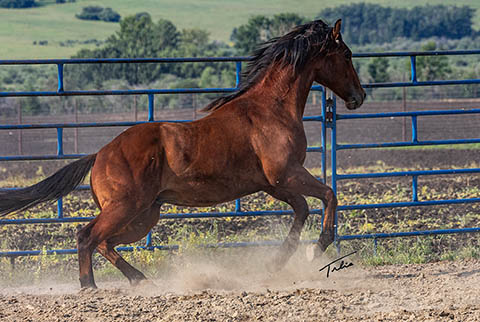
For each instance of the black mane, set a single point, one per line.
(295, 48)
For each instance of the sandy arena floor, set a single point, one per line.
(205, 290)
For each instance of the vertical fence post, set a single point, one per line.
(60, 152)
(60, 208)
(415, 188)
(333, 165)
(59, 141)
(238, 205)
(414, 129)
(324, 146)
(60, 78)
(324, 136)
(413, 65)
(238, 74)
(151, 118)
(148, 243)
(151, 108)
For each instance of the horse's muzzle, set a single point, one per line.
(356, 102)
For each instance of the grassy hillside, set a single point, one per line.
(57, 23)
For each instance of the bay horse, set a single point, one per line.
(252, 140)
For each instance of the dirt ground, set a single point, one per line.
(239, 289)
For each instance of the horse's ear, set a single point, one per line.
(336, 29)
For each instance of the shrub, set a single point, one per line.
(98, 13)
(109, 15)
(90, 13)
(15, 4)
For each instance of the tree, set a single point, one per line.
(109, 15)
(365, 23)
(16, 4)
(260, 29)
(140, 37)
(283, 23)
(248, 36)
(377, 69)
(98, 13)
(432, 67)
(90, 13)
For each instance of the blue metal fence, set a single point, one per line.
(413, 142)
(413, 174)
(328, 120)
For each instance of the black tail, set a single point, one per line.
(54, 187)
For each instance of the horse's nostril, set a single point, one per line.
(364, 95)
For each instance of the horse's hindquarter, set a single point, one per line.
(129, 167)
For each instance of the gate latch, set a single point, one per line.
(329, 110)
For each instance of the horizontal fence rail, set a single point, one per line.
(328, 120)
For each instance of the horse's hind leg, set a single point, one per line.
(85, 252)
(112, 219)
(300, 207)
(133, 232)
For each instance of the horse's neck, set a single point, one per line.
(283, 89)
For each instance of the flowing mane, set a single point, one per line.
(295, 48)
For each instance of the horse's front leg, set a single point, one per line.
(300, 207)
(299, 181)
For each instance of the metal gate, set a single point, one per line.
(329, 120)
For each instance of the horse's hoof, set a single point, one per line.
(312, 251)
(325, 239)
(87, 286)
(142, 283)
(88, 290)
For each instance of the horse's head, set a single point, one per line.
(335, 70)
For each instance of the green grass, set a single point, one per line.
(57, 23)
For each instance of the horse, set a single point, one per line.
(251, 140)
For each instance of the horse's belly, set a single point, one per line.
(206, 194)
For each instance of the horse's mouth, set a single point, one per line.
(356, 101)
(353, 104)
